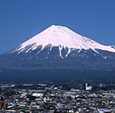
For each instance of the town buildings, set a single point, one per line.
(50, 98)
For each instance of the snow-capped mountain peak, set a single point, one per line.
(62, 37)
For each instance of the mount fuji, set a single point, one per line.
(59, 49)
(63, 38)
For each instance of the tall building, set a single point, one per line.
(87, 88)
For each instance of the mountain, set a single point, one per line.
(63, 38)
(59, 49)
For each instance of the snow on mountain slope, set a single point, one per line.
(62, 37)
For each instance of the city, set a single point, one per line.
(61, 98)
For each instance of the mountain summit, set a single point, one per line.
(63, 38)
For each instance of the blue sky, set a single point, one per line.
(22, 19)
